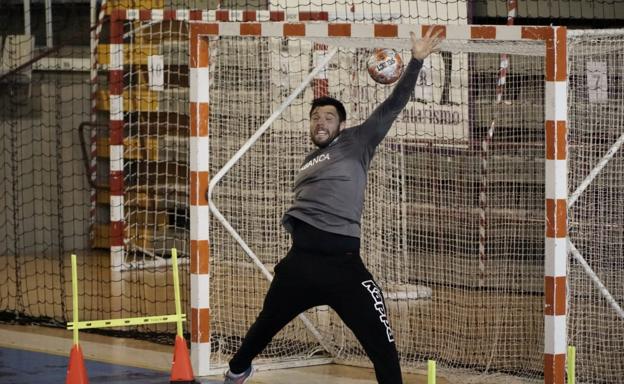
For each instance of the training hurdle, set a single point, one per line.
(181, 370)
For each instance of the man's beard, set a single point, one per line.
(325, 143)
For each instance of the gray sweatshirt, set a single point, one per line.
(329, 188)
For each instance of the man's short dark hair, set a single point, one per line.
(326, 100)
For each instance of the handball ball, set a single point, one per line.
(385, 66)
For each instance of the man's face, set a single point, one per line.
(325, 125)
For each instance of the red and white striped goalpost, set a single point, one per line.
(206, 24)
(116, 131)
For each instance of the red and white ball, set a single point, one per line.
(385, 66)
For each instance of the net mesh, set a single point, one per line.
(44, 203)
(421, 225)
(596, 108)
(156, 141)
(156, 170)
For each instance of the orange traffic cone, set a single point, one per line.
(76, 372)
(182, 371)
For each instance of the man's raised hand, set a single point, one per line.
(429, 43)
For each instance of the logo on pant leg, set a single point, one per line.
(375, 292)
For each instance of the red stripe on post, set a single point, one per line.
(313, 16)
(199, 119)
(199, 187)
(436, 28)
(200, 257)
(561, 67)
(339, 29)
(115, 79)
(222, 15)
(118, 14)
(116, 31)
(386, 30)
(555, 295)
(536, 33)
(116, 233)
(199, 50)
(195, 14)
(276, 16)
(551, 60)
(483, 32)
(554, 369)
(250, 29)
(556, 59)
(169, 14)
(249, 15)
(145, 14)
(115, 131)
(200, 325)
(556, 218)
(203, 56)
(116, 182)
(294, 29)
(556, 140)
(545, 34)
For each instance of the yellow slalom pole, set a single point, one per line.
(431, 372)
(176, 290)
(74, 296)
(571, 364)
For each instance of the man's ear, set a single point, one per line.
(342, 125)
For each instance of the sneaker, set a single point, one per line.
(240, 378)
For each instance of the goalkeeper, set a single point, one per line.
(323, 266)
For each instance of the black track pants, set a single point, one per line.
(325, 269)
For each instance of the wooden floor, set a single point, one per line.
(143, 354)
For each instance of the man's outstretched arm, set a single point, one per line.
(375, 128)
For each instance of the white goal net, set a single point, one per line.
(453, 226)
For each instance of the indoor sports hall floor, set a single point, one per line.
(32, 354)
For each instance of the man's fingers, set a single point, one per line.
(435, 40)
(432, 33)
(428, 43)
(437, 36)
(413, 36)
